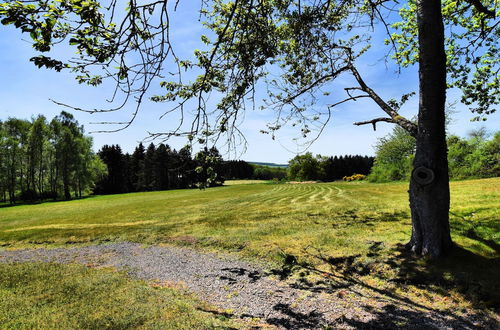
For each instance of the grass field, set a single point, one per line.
(355, 228)
(258, 219)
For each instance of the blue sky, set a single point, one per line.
(25, 91)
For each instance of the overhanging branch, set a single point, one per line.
(375, 121)
(395, 117)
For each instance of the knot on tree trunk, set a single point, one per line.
(423, 175)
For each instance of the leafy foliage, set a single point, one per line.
(475, 157)
(472, 157)
(471, 45)
(305, 168)
(40, 159)
(354, 177)
(393, 157)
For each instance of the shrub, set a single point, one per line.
(354, 177)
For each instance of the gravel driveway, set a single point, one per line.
(247, 291)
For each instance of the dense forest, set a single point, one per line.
(158, 168)
(304, 167)
(308, 167)
(41, 159)
(162, 168)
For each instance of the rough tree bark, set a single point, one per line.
(429, 185)
(65, 175)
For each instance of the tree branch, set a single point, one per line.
(395, 118)
(375, 121)
(481, 8)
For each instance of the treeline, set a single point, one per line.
(163, 168)
(41, 159)
(320, 168)
(240, 169)
(158, 168)
(476, 156)
(304, 167)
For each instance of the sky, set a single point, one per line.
(25, 91)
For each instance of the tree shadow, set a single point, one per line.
(253, 276)
(45, 201)
(393, 317)
(472, 234)
(350, 217)
(471, 227)
(296, 320)
(474, 277)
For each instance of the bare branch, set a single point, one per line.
(375, 121)
(393, 114)
(351, 98)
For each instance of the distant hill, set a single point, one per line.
(268, 164)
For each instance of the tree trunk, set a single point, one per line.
(65, 174)
(429, 185)
(79, 188)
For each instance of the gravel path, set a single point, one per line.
(246, 291)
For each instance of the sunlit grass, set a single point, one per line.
(237, 182)
(271, 221)
(51, 296)
(258, 219)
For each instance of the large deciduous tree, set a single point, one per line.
(299, 49)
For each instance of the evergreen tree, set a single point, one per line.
(115, 180)
(237, 169)
(161, 167)
(149, 168)
(137, 168)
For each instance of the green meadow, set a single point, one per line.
(356, 229)
(257, 219)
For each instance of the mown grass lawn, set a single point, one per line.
(259, 219)
(356, 229)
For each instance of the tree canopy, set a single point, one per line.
(299, 48)
(41, 159)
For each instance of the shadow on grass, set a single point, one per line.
(474, 277)
(296, 320)
(479, 230)
(45, 201)
(350, 217)
(472, 234)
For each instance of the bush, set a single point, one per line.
(354, 177)
(268, 173)
(393, 157)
